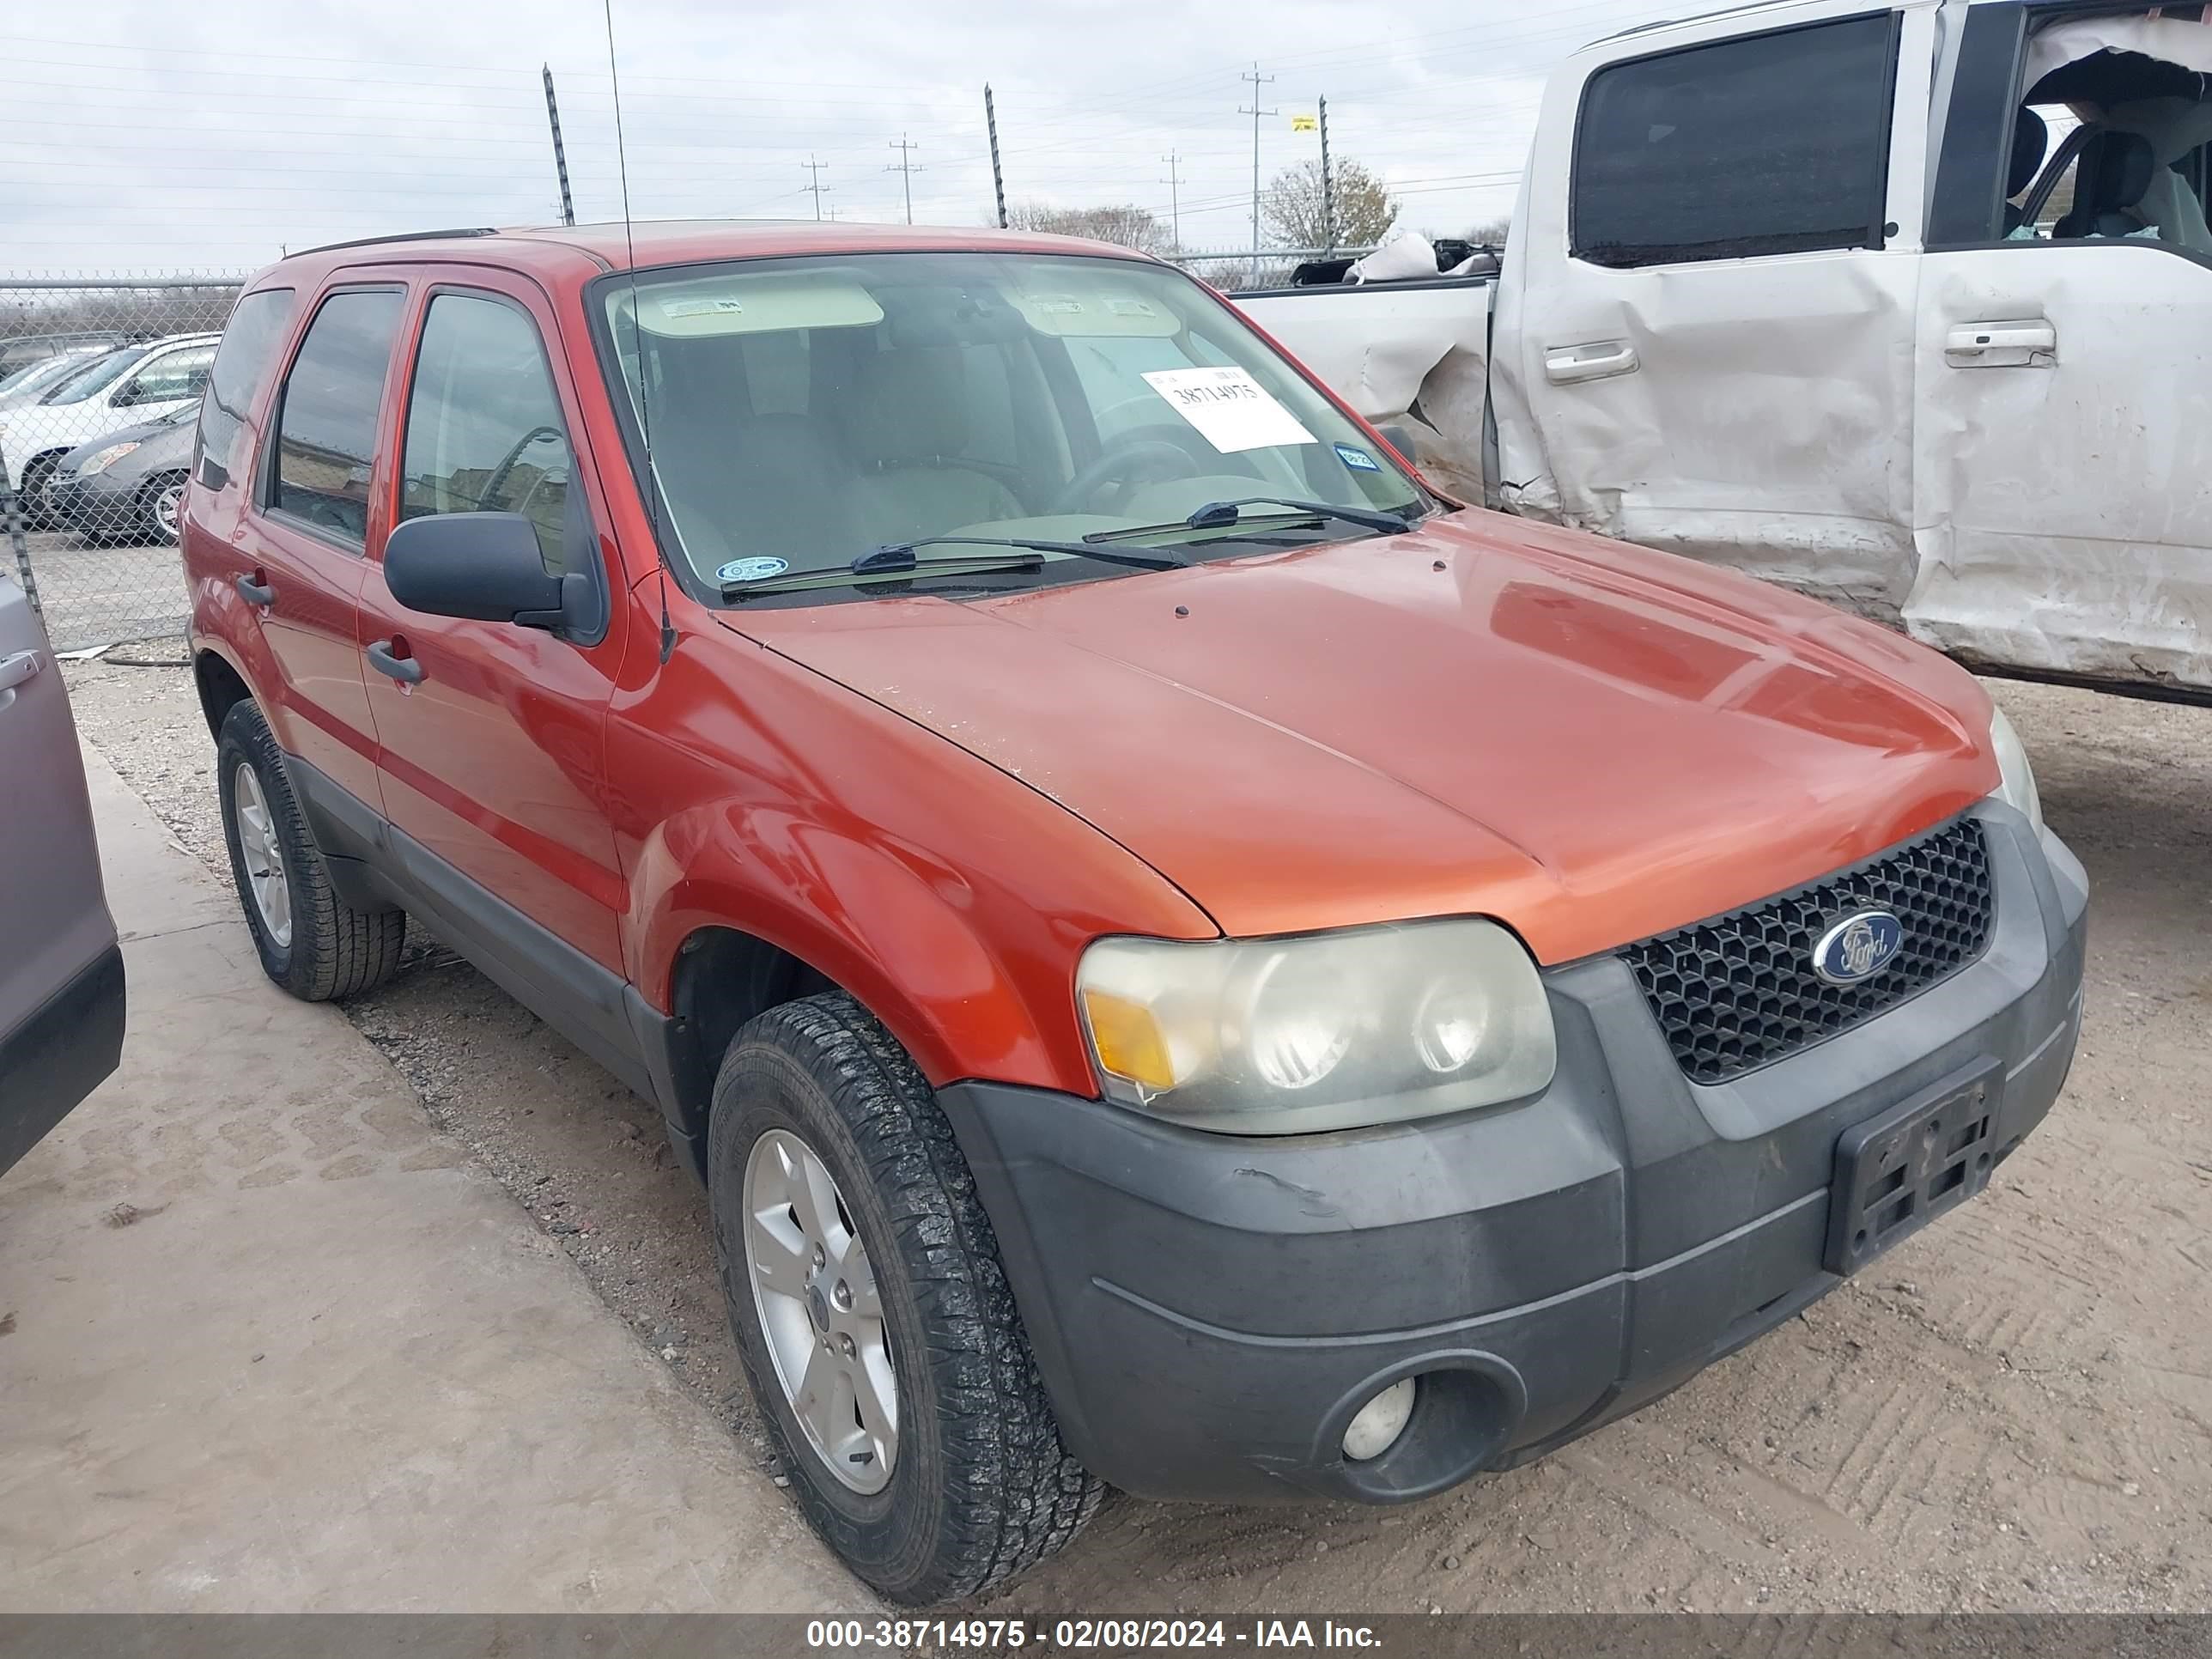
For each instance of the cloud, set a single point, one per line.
(147, 135)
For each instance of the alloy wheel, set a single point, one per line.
(815, 1293)
(262, 852)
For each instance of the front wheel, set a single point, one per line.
(159, 502)
(872, 1314)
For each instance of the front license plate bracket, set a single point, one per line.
(1898, 1171)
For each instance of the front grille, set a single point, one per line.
(1738, 991)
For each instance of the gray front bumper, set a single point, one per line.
(1209, 1311)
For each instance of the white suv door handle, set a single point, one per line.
(15, 669)
(2003, 344)
(1565, 365)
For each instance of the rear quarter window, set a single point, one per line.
(1762, 144)
(249, 346)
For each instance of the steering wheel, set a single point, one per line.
(494, 484)
(1122, 455)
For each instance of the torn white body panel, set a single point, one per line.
(1396, 350)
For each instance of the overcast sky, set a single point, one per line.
(147, 135)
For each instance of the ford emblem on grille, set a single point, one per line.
(1858, 947)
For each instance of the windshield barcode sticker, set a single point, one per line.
(1229, 409)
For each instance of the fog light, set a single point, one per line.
(1380, 1422)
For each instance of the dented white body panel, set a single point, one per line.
(2002, 449)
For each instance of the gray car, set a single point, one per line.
(61, 975)
(125, 485)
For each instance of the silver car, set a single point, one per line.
(61, 972)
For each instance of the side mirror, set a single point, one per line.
(482, 566)
(1401, 440)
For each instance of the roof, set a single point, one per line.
(646, 243)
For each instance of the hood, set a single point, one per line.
(1590, 742)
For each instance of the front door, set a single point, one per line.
(491, 738)
(1710, 327)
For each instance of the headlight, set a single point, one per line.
(2016, 787)
(1327, 1031)
(100, 461)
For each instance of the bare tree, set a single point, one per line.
(1292, 205)
(1490, 233)
(1123, 222)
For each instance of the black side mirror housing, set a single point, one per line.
(1401, 439)
(482, 567)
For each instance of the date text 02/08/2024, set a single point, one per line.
(987, 1635)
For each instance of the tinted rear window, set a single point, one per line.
(326, 424)
(1773, 143)
(241, 362)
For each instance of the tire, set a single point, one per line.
(31, 498)
(979, 1486)
(160, 499)
(318, 947)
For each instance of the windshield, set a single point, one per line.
(43, 373)
(97, 378)
(803, 413)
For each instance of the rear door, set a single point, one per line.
(301, 546)
(2065, 365)
(61, 972)
(1705, 343)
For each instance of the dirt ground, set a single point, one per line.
(2013, 1410)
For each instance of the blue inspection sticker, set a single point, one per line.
(1358, 459)
(752, 570)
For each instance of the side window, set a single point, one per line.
(485, 433)
(1770, 143)
(168, 377)
(249, 346)
(326, 424)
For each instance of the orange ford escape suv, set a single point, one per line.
(1184, 959)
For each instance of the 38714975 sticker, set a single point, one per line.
(1229, 409)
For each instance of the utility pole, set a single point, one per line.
(906, 167)
(559, 156)
(998, 177)
(814, 170)
(1327, 190)
(1258, 81)
(1174, 182)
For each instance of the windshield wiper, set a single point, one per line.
(1221, 515)
(899, 559)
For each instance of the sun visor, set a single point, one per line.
(1082, 306)
(750, 303)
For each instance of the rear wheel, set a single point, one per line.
(310, 942)
(160, 500)
(872, 1314)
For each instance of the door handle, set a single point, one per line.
(405, 669)
(1565, 365)
(255, 591)
(15, 669)
(2014, 344)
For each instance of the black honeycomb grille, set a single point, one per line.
(1738, 991)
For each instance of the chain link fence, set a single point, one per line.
(100, 380)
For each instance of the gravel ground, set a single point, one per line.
(2013, 1410)
(92, 595)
